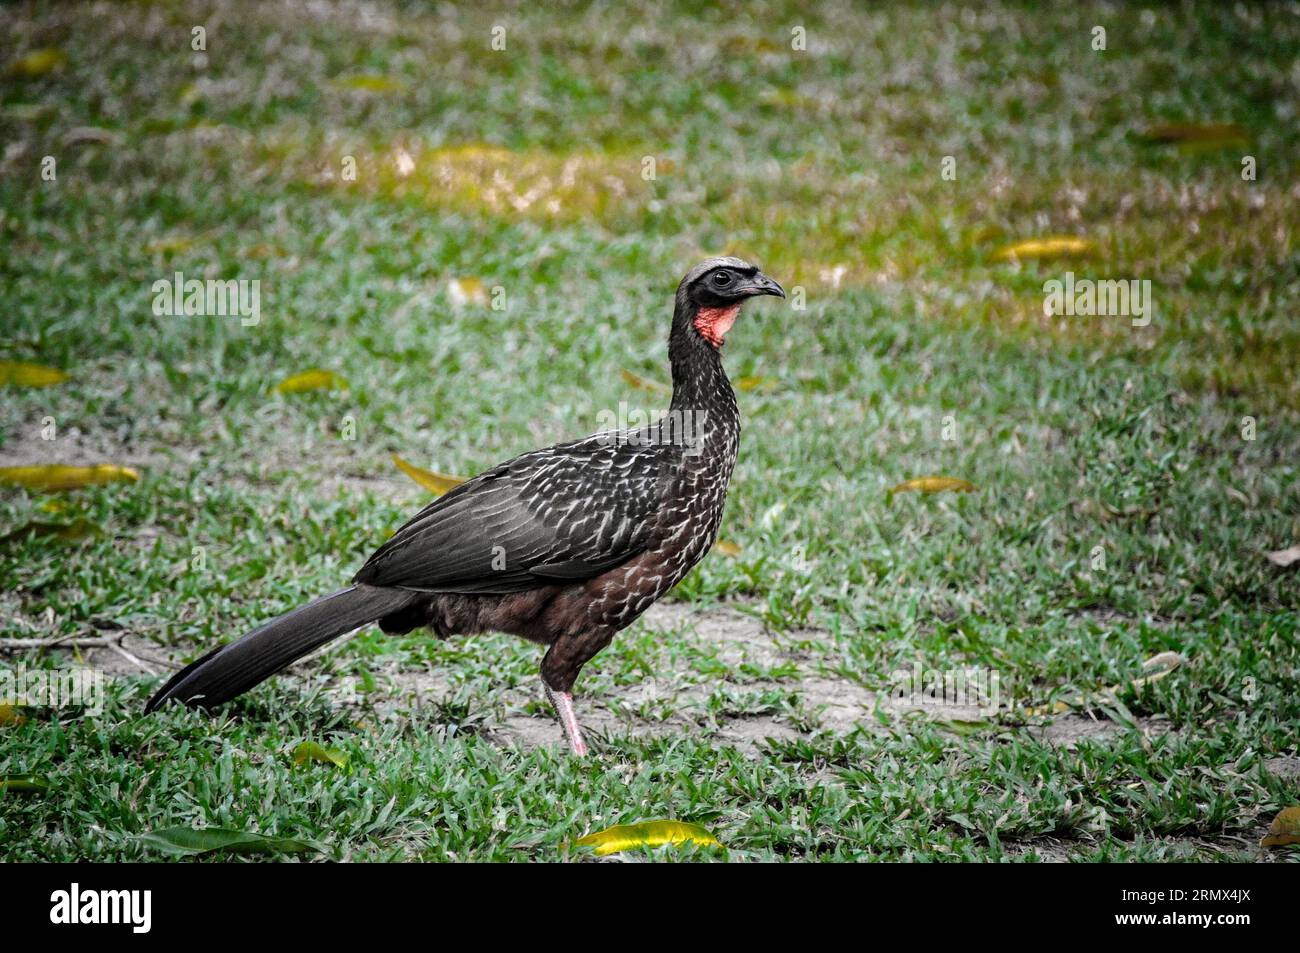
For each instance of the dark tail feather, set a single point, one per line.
(234, 668)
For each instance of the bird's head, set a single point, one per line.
(711, 294)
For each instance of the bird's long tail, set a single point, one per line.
(234, 668)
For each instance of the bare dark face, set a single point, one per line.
(731, 284)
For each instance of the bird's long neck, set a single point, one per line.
(703, 407)
(699, 380)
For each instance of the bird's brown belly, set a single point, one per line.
(609, 602)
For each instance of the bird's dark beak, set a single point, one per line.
(763, 285)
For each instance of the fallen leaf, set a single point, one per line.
(1056, 246)
(1156, 667)
(1284, 557)
(91, 135)
(754, 382)
(643, 383)
(436, 482)
(934, 484)
(38, 62)
(964, 726)
(1284, 830)
(310, 751)
(53, 477)
(370, 83)
(30, 112)
(646, 834)
(169, 245)
(26, 783)
(1056, 708)
(68, 532)
(187, 840)
(10, 716)
(463, 291)
(261, 251)
(728, 548)
(1198, 135)
(23, 374)
(314, 379)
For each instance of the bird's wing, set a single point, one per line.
(569, 512)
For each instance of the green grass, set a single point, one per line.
(1079, 433)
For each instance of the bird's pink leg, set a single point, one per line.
(563, 702)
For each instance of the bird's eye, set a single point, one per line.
(722, 278)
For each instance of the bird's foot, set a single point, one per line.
(563, 702)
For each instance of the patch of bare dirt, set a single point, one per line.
(731, 708)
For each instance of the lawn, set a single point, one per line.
(497, 275)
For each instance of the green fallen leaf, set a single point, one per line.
(1198, 136)
(647, 834)
(189, 840)
(964, 727)
(310, 751)
(68, 532)
(27, 783)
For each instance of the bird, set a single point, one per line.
(564, 546)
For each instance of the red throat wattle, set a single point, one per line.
(714, 323)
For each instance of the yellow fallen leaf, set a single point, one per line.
(436, 482)
(647, 834)
(23, 374)
(1056, 246)
(463, 291)
(643, 383)
(754, 382)
(370, 83)
(38, 62)
(1284, 557)
(314, 379)
(1194, 135)
(57, 477)
(10, 716)
(1284, 830)
(169, 245)
(728, 548)
(934, 484)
